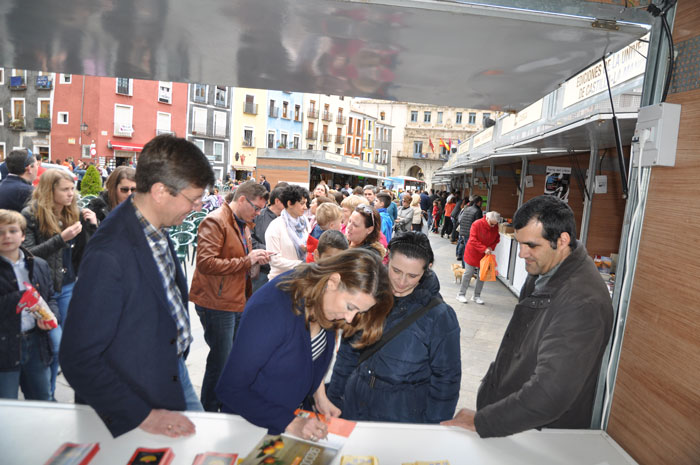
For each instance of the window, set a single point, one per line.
(123, 117)
(426, 116)
(163, 123)
(376, 156)
(200, 93)
(199, 143)
(165, 92)
(220, 123)
(248, 140)
(62, 117)
(414, 116)
(297, 112)
(18, 111)
(2, 76)
(472, 117)
(295, 143)
(439, 118)
(382, 116)
(199, 120)
(218, 151)
(271, 140)
(43, 108)
(385, 157)
(249, 106)
(417, 147)
(458, 118)
(285, 110)
(65, 78)
(124, 86)
(220, 95)
(486, 116)
(284, 138)
(273, 109)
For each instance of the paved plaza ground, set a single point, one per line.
(482, 327)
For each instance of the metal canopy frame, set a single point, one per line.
(457, 53)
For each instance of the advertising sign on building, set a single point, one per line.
(557, 182)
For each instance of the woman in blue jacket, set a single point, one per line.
(414, 378)
(287, 335)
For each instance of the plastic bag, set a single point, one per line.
(32, 301)
(487, 268)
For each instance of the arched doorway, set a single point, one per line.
(416, 172)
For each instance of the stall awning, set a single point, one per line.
(348, 172)
(125, 147)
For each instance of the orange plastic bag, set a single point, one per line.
(487, 268)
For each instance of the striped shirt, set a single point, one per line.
(318, 344)
(158, 241)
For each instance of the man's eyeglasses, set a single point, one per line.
(257, 209)
(366, 209)
(126, 190)
(194, 202)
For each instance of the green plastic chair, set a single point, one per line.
(186, 226)
(182, 241)
(196, 218)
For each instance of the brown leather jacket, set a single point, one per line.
(221, 280)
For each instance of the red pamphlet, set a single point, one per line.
(143, 456)
(74, 454)
(215, 458)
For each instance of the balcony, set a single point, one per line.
(123, 130)
(165, 131)
(199, 98)
(42, 124)
(286, 114)
(44, 83)
(18, 83)
(340, 139)
(341, 119)
(248, 142)
(250, 108)
(297, 117)
(312, 135)
(312, 113)
(200, 130)
(326, 137)
(274, 112)
(420, 155)
(17, 124)
(327, 116)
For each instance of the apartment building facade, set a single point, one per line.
(248, 132)
(209, 127)
(325, 121)
(284, 120)
(26, 98)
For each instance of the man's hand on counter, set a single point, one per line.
(165, 422)
(463, 419)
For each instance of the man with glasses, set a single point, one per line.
(128, 331)
(221, 285)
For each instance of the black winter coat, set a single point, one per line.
(51, 248)
(15, 192)
(415, 378)
(11, 321)
(546, 370)
(470, 215)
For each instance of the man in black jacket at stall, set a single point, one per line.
(547, 366)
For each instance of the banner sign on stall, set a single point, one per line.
(483, 137)
(522, 118)
(557, 182)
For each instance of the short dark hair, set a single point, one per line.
(332, 239)
(293, 193)
(175, 162)
(17, 161)
(555, 215)
(275, 194)
(370, 187)
(384, 198)
(412, 244)
(251, 190)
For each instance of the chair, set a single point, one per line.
(196, 218)
(182, 241)
(186, 226)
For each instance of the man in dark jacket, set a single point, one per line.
(547, 366)
(16, 188)
(469, 215)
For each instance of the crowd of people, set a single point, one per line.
(285, 278)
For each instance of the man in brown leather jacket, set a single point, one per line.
(547, 366)
(221, 283)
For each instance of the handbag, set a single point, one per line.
(396, 330)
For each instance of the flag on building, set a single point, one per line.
(459, 142)
(443, 144)
(449, 144)
(432, 147)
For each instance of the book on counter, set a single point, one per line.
(289, 450)
(215, 458)
(359, 460)
(143, 456)
(74, 454)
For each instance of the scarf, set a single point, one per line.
(297, 230)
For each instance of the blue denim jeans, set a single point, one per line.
(191, 399)
(219, 331)
(32, 375)
(63, 300)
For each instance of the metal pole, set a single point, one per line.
(588, 201)
(488, 199)
(82, 103)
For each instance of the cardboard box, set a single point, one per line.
(505, 228)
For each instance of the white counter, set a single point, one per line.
(502, 253)
(520, 273)
(31, 431)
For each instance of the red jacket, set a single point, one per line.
(481, 237)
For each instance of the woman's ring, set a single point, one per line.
(170, 427)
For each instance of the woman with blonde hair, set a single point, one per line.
(58, 231)
(118, 187)
(417, 223)
(287, 336)
(348, 205)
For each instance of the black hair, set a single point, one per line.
(293, 193)
(412, 244)
(384, 198)
(17, 161)
(332, 239)
(275, 194)
(175, 162)
(555, 215)
(251, 190)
